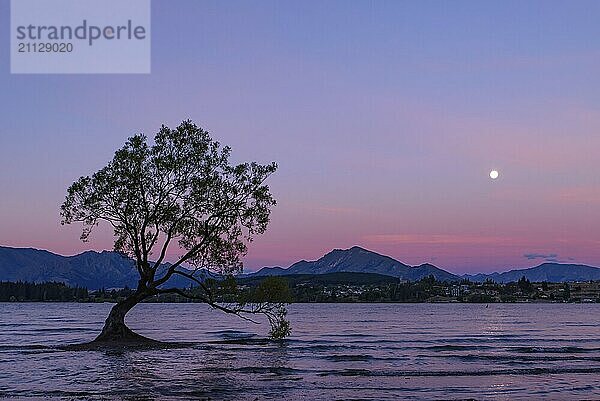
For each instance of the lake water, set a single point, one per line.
(336, 351)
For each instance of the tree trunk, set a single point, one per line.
(115, 330)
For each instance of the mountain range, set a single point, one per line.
(90, 269)
(360, 260)
(550, 272)
(108, 269)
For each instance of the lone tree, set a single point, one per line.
(181, 189)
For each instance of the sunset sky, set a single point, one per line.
(385, 118)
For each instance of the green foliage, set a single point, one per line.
(479, 298)
(224, 288)
(567, 290)
(272, 289)
(272, 294)
(280, 326)
(525, 285)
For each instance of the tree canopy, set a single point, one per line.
(182, 193)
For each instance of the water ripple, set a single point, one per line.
(336, 351)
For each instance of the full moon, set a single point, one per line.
(494, 174)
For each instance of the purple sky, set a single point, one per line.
(385, 119)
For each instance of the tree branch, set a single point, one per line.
(234, 311)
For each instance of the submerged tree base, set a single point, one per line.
(132, 341)
(124, 346)
(121, 334)
(121, 337)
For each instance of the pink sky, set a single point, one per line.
(385, 119)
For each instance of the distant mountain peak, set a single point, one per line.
(354, 248)
(359, 260)
(358, 248)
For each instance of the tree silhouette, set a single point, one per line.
(182, 189)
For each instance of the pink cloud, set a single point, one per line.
(579, 195)
(434, 239)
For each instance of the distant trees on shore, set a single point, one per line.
(325, 288)
(52, 291)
